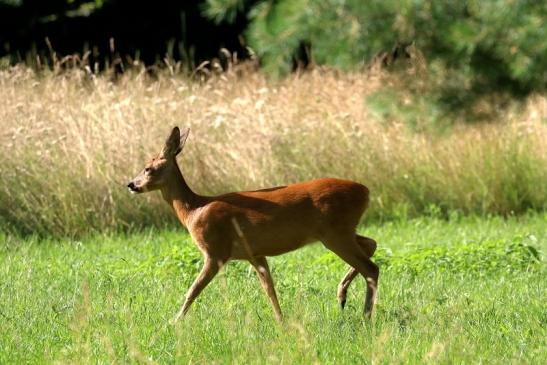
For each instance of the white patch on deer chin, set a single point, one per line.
(132, 191)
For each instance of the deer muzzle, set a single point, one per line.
(133, 189)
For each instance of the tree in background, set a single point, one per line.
(478, 46)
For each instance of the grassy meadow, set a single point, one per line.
(91, 274)
(471, 290)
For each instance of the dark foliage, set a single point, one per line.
(143, 30)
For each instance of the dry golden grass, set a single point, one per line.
(70, 142)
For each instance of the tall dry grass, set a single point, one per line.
(70, 142)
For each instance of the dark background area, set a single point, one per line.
(139, 29)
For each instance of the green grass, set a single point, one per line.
(469, 290)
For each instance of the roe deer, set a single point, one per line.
(251, 225)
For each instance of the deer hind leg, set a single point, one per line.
(352, 252)
(260, 264)
(342, 291)
(368, 246)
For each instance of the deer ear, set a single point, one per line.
(182, 140)
(171, 144)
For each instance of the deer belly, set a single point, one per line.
(272, 244)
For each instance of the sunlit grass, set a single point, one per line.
(108, 299)
(70, 142)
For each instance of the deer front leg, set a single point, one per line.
(208, 272)
(261, 266)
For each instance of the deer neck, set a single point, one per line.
(178, 195)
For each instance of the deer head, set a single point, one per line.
(155, 172)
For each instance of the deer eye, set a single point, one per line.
(147, 170)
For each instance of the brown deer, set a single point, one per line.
(251, 225)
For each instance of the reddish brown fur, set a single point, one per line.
(281, 219)
(254, 224)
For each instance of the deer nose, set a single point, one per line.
(132, 187)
